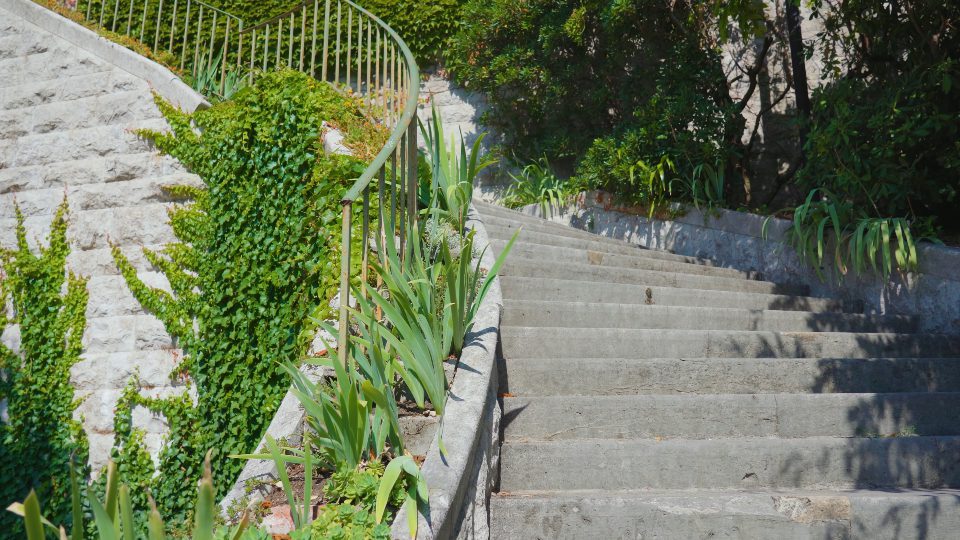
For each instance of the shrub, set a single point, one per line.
(560, 74)
(425, 25)
(890, 149)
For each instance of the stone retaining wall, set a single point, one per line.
(66, 120)
(735, 240)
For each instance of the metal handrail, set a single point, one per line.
(378, 67)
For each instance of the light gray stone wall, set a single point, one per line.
(461, 111)
(66, 121)
(735, 240)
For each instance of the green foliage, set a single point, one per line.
(538, 184)
(882, 155)
(453, 171)
(40, 438)
(890, 149)
(561, 73)
(113, 516)
(208, 76)
(258, 253)
(467, 285)
(425, 25)
(828, 229)
(686, 117)
(348, 522)
(403, 469)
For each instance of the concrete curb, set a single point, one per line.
(460, 482)
(287, 424)
(734, 240)
(165, 83)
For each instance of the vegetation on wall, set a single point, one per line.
(425, 25)
(630, 97)
(258, 253)
(39, 438)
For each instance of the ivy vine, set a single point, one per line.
(40, 437)
(258, 254)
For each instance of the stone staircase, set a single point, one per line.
(652, 395)
(66, 130)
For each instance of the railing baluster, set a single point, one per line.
(186, 32)
(266, 47)
(349, 43)
(196, 43)
(402, 207)
(313, 48)
(326, 39)
(116, 15)
(365, 245)
(290, 43)
(303, 34)
(369, 57)
(336, 64)
(143, 19)
(156, 36)
(413, 182)
(253, 53)
(173, 25)
(276, 64)
(343, 330)
(129, 18)
(223, 56)
(213, 36)
(239, 44)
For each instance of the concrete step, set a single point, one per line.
(742, 463)
(517, 266)
(532, 342)
(626, 376)
(707, 416)
(533, 236)
(510, 225)
(88, 170)
(532, 251)
(737, 514)
(517, 288)
(641, 316)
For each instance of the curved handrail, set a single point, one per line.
(408, 114)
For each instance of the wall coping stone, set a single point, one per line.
(470, 428)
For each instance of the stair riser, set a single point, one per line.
(558, 233)
(616, 376)
(712, 416)
(907, 462)
(532, 288)
(598, 258)
(527, 342)
(534, 237)
(516, 266)
(693, 318)
(741, 515)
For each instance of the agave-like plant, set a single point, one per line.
(538, 184)
(826, 227)
(453, 172)
(113, 517)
